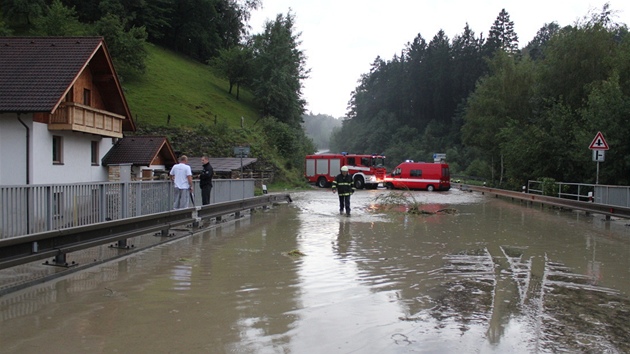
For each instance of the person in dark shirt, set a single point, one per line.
(343, 186)
(205, 180)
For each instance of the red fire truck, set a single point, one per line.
(367, 170)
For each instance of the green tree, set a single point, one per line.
(58, 21)
(289, 142)
(502, 35)
(4, 29)
(235, 64)
(500, 100)
(279, 70)
(23, 11)
(417, 76)
(126, 47)
(438, 63)
(468, 63)
(88, 10)
(607, 110)
(537, 45)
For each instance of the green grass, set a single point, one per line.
(187, 90)
(195, 96)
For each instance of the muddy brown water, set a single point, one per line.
(494, 277)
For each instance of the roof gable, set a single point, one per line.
(140, 151)
(37, 72)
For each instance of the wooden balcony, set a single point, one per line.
(80, 118)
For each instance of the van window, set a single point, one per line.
(396, 172)
(415, 173)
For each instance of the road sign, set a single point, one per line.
(598, 155)
(241, 151)
(599, 143)
(439, 157)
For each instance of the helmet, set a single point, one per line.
(344, 168)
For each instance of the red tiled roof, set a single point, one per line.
(36, 73)
(140, 151)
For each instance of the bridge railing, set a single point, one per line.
(32, 209)
(590, 207)
(597, 193)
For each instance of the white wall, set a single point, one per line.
(13, 148)
(77, 166)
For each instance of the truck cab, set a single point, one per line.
(419, 175)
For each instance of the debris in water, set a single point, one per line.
(296, 253)
(391, 200)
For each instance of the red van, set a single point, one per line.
(419, 175)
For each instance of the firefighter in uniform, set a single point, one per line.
(343, 186)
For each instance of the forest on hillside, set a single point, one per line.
(501, 112)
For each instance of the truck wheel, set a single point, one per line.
(389, 185)
(359, 182)
(322, 182)
(430, 188)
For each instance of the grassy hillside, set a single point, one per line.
(193, 96)
(187, 90)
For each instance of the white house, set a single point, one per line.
(61, 110)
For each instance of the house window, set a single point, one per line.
(57, 150)
(94, 152)
(87, 97)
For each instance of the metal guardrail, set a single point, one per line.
(596, 208)
(58, 243)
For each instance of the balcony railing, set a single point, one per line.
(80, 118)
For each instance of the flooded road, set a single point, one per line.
(493, 276)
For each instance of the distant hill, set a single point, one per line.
(186, 90)
(319, 127)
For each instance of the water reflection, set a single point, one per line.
(495, 277)
(344, 240)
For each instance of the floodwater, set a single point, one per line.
(491, 276)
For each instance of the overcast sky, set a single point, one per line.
(341, 38)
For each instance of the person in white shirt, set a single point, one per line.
(181, 175)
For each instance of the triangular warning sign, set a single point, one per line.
(599, 143)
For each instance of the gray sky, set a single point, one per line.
(341, 38)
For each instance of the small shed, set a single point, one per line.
(149, 156)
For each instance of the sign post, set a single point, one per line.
(599, 146)
(241, 151)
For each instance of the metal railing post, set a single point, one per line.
(124, 200)
(102, 205)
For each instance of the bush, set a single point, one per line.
(548, 185)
